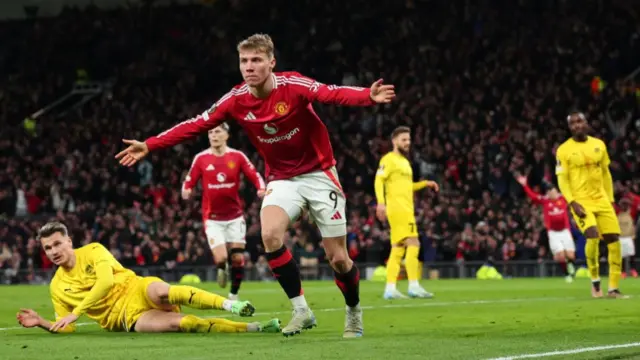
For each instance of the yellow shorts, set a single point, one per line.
(600, 214)
(402, 226)
(133, 303)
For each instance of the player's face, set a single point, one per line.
(402, 142)
(578, 125)
(553, 194)
(58, 248)
(218, 137)
(256, 66)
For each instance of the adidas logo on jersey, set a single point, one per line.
(250, 116)
(336, 216)
(210, 167)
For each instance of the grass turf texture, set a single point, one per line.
(468, 319)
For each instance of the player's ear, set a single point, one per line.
(272, 63)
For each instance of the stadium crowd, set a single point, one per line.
(486, 90)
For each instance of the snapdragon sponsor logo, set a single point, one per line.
(221, 186)
(277, 139)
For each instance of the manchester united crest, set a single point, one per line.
(281, 108)
(231, 164)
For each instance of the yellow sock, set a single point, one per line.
(195, 298)
(393, 264)
(411, 262)
(615, 264)
(194, 324)
(420, 268)
(592, 254)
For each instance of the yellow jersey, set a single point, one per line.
(91, 287)
(583, 171)
(394, 184)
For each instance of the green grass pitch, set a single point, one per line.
(468, 319)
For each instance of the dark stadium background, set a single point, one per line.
(484, 85)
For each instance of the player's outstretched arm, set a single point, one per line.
(29, 318)
(177, 134)
(313, 90)
(195, 172)
(534, 196)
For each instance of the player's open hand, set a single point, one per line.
(433, 185)
(521, 179)
(135, 152)
(382, 94)
(381, 212)
(28, 318)
(186, 194)
(62, 323)
(578, 209)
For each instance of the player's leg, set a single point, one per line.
(412, 265)
(609, 227)
(588, 227)
(161, 294)
(215, 231)
(327, 203)
(282, 204)
(159, 321)
(626, 243)
(235, 234)
(560, 244)
(393, 268)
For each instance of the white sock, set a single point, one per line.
(299, 302)
(253, 327)
(355, 308)
(414, 284)
(390, 287)
(228, 304)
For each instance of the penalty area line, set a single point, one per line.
(569, 352)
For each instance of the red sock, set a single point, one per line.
(286, 270)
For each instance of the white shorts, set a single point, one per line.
(320, 192)
(628, 247)
(223, 232)
(560, 241)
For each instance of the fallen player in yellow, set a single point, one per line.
(90, 281)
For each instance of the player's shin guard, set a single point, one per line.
(286, 270)
(194, 324)
(411, 263)
(197, 298)
(393, 264)
(349, 284)
(237, 269)
(592, 251)
(615, 264)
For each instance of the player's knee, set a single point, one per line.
(158, 292)
(340, 261)
(174, 323)
(237, 257)
(591, 233)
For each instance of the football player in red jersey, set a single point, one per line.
(556, 221)
(220, 167)
(276, 112)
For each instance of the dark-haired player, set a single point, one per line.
(585, 182)
(394, 188)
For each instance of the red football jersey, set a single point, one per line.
(220, 182)
(283, 127)
(556, 217)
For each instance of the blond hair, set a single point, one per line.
(51, 228)
(258, 42)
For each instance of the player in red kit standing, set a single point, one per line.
(556, 221)
(275, 110)
(222, 215)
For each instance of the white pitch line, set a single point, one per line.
(428, 303)
(569, 352)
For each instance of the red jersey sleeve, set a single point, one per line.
(313, 90)
(534, 196)
(251, 172)
(209, 119)
(193, 176)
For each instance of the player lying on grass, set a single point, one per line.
(90, 281)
